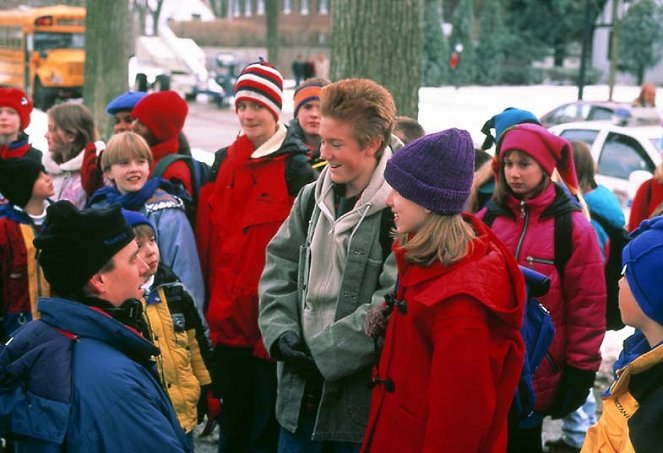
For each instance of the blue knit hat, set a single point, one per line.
(124, 102)
(643, 259)
(135, 218)
(434, 171)
(502, 121)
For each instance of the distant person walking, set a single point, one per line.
(647, 96)
(298, 69)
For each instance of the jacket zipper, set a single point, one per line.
(552, 363)
(531, 260)
(524, 213)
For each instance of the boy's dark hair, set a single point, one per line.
(408, 129)
(480, 158)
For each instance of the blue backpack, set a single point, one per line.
(537, 332)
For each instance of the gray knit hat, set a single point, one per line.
(434, 171)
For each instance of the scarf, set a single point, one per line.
(15, 149)
(133, 201)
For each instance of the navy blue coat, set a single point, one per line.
(81, 380)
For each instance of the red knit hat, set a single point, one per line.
(261, 83)
(163, 113)
(19, 101)
(549, 150)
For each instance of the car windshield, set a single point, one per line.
(48, 41)
(657, 143)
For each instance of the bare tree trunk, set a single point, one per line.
(380, 40)
(272, 17)
(156, 13)
(106, 56)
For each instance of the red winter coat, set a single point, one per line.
(576, 304)
(454, 355)
(238, 214)
(22, 281)
(647, 198)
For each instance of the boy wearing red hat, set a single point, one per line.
(15, 109)
(238, 213)
(159, 118)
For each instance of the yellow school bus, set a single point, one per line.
(42, 50)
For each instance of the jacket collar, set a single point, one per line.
(52, 167)
(89, 322)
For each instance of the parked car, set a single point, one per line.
(582, 111)
(620, 113)
(626, 156)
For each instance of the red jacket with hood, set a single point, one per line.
(577, 301)
(454, 355)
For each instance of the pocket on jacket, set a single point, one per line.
(411, 429)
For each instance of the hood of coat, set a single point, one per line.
(488, 274)
(87, 322)
(371, 201)
(605, 203)
(53, 168)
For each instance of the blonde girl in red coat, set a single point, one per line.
(452, 353)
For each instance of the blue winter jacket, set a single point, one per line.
(603, 202)
(79, 381)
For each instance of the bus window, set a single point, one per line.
(50, 41)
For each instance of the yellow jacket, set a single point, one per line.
(180, 365)
(611, 433)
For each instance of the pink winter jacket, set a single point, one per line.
(577, 301)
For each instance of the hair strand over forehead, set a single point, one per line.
(123, 146)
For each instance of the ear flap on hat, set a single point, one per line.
(488, 125)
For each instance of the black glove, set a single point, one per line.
(573, 390)
(290, 349)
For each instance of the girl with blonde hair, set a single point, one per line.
(453, 352)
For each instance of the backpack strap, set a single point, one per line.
(219, 157)
(563, 241)
(489, 218)
(165, 162)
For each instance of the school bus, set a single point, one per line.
(42, 50)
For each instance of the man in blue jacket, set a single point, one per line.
(81, 378)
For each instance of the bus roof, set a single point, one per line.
(27, 15)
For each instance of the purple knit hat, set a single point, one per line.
(434, 171)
